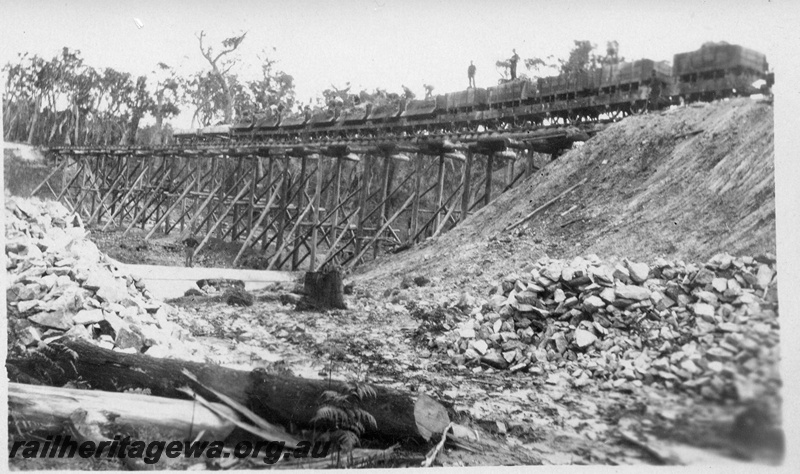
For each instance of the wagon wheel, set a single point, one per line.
(639, 107)
(574, 118)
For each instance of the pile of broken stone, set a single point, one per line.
(710, 329)
(58, 283)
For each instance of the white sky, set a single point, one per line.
(380, 43)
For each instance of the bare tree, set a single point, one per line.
(220, 66)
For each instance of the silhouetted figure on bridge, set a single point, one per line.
(471, 74)
(513, 62)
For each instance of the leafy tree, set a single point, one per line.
(19, 97)
(34, 82)
(581, 58)
(167, 97)
(612, 54)
(503, 66)
(379, 96)
(341, 94)
(139, 102)
(64, 100)
(76, 83)
(274, 87)
(115, 88)
(208, 98)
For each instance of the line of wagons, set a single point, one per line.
(714, 71)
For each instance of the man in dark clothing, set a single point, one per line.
(655, 91)
(513, 61)
(191, 243)
(471, 74)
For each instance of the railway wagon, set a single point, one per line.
(417, 109)
(386, 112)
(630, 74)
(295, 121)
(718, 70)
(547, 87)
(213, 133)
(509, 93)
(355, 115)
(715, 70)
(324, 118)
(468, 100)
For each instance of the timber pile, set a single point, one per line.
(59, 283)
(710, 329)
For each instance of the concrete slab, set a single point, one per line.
(172, 282)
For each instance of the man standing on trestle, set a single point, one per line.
(471, 74)
(513, 61)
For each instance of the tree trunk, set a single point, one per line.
(278, 398)
(9, 119)
(35, 119)
(225, 90)
(49, 408)
(156, 138)
(77, 113)
(137, 116)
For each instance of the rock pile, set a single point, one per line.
(710, 329)
(58, 283)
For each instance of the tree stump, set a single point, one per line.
(323, 289)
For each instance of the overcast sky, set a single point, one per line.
(381, 43)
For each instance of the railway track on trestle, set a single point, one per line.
(297, 202)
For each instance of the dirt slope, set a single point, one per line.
(654, 189)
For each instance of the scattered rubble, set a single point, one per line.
(59, 283)
(708, 329)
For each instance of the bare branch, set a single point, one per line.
(225, 71)
(230, 45)
(206, 54)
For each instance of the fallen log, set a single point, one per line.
(49, 409)
(278, 398)
(688, 134)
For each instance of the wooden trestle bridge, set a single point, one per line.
(298, 205)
